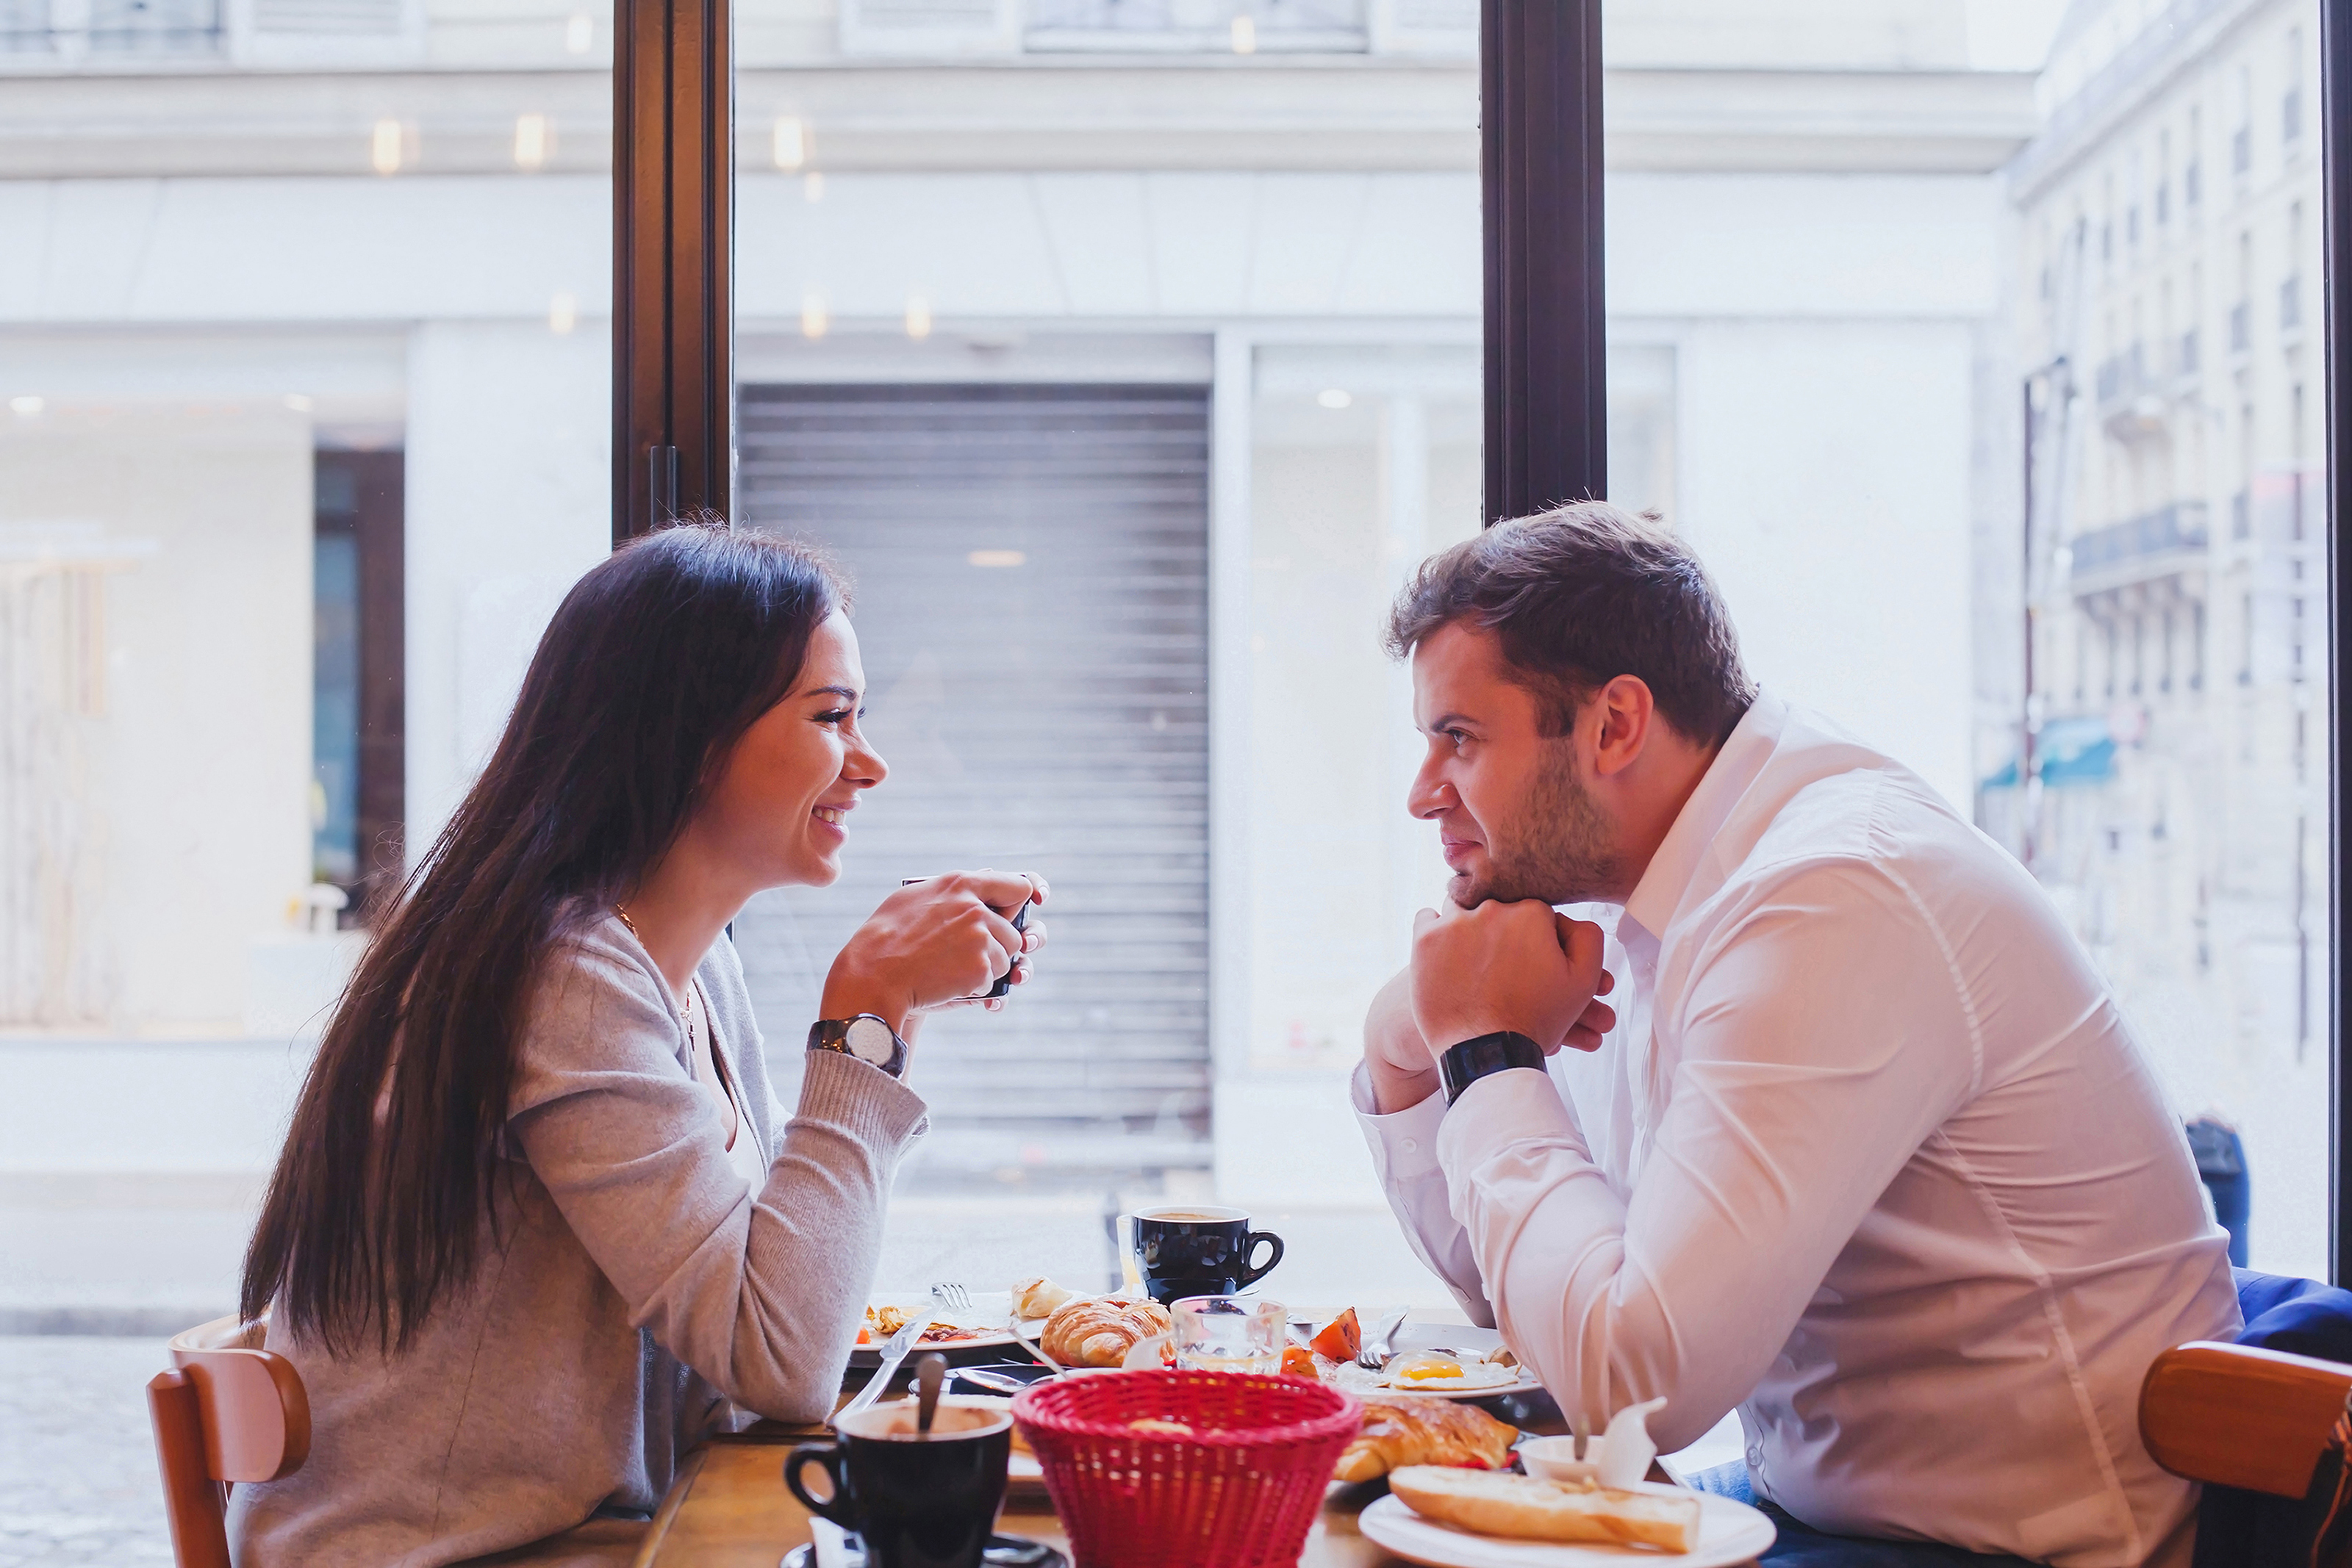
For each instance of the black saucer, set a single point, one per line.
(1003, 1552)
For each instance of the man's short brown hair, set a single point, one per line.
(1582, 594)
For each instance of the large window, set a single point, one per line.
(1128, 356)
(2175, 796)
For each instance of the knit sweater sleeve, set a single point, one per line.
(759, 1292)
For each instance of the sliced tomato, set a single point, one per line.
(1341, 1338)
(1297, 1361)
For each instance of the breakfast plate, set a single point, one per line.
(1439, 1377)
(1426, 1348)
(1730, 1532)
(985, 1324)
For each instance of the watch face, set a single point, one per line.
(869, 1040)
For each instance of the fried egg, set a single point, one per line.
(1431, 1372)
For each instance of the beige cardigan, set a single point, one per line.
(641, 1288)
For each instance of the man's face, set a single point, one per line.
(1513, 814)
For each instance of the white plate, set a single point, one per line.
(1523, 1384)
(990, 1312)
(1416, 1336)
(1729, 1533)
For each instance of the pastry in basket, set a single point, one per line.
(1523, 1508)
(1100, 1331)
(1400, 1430)
(1037, 1298)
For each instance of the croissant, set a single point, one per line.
(1100, 1332)
(1037, 1298)
(1401, 1431)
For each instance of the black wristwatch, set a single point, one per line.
(869, 1039)
(1465, 1064)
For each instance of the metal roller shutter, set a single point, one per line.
(1049, 714)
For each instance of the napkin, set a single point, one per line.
(1627, 1447)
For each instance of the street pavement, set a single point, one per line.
(78, 1481)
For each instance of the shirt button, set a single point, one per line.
(1412, 1145)
(1755, 1454)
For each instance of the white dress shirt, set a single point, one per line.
(1871, 1155)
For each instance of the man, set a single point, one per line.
(1864, 1149)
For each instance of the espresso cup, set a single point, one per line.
(916, 1500)
(1194, 1249)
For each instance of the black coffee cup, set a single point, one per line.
(1191, 1249)
(916, 1501)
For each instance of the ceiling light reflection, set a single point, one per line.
(997, 558)
(918, 316)
(1334, 397)
(385, 150)
(815, 317)
(533, 139)
(792, 140)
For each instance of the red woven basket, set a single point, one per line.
(1241, 1490)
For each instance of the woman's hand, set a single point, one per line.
(936, 943)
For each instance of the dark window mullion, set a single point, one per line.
(1546, 349)
(2336, 115)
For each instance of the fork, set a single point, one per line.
(1375, 1352)
(953, 1297)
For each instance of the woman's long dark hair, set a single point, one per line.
(657, 662)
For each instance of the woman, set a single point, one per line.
(538, 1225)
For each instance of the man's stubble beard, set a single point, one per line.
(1555, 847)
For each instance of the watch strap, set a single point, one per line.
(1465, 1064)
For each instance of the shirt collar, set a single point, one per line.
(1660, 891)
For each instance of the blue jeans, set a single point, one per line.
(1801, 1546)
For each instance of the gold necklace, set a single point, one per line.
(685, 1010)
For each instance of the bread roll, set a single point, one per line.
(1522, 1508)
(1037, 1298)
(1100, 1332)
(1401, 1431)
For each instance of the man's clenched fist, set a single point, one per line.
(1520, 968)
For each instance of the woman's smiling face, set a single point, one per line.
(781, 806)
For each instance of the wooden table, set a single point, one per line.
(728, 1509)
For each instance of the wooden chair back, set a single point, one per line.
(2232, 1416)
(227, 1411)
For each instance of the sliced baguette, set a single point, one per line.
(1524, 1508)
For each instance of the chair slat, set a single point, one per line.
(192, 1500)
(2230, 1415)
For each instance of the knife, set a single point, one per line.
(893, 1353)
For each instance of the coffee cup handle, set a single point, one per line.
(1253, 1273)
(827, 1457)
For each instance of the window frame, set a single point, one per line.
(1540, 171)
(2335, 125)
(673, 262)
